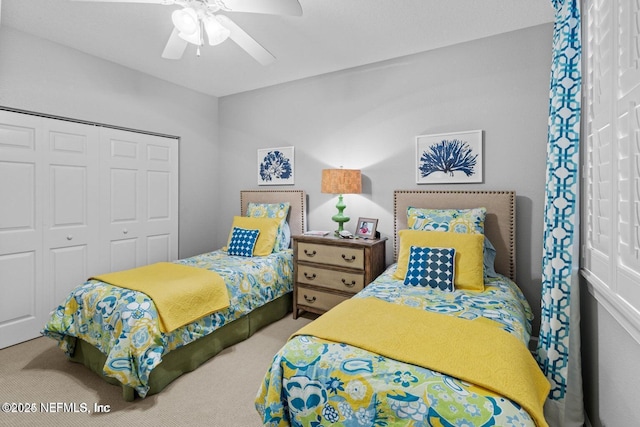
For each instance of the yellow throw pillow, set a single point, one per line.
(268, 232)
(274, 210)
(469, 267)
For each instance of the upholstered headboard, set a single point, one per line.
(297, 199)
(500, 223)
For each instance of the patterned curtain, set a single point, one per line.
(558, 351)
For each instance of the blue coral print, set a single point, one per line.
(448, 156)
(275, 165)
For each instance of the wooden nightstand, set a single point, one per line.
(329, 270)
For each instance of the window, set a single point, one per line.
(611, 158)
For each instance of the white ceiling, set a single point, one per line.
(331, 35)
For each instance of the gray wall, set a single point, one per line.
(367, 118)
(610, 368)
(47, 78)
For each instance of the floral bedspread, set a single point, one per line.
(123, 324)
(313, 382)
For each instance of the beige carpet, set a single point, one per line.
(220, 393)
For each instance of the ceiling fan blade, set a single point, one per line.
(175, 46)
(273, 7)
(246, 42)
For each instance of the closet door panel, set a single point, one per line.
(22, 306)
(159, 216)
(20, 169)
(21, 312)
(162, 199)
(122, 168)
(71, 234)
(141, 179)
(124, 254)
(159, 248)
(18, 210)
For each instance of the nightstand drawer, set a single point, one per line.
(319, 300)
(323, 254)
(339, 280)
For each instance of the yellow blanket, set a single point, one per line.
(181, 293)
(475, 351)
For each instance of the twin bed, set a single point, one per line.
(440, 338)
(117, 332)
(403, 351)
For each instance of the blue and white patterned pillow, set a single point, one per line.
(242, 242)
(454, 220)
(431, 267)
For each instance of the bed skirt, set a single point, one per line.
(186, 359)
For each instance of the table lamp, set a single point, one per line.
(341, 181)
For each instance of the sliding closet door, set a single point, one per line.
(71, 211)
(22, 306)
(139, 204)
(77, 200)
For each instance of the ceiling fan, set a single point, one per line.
(199, 17)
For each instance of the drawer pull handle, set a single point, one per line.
(310, 300)
(349, 285)
(347, 259)
(309, 276)
(309, 253)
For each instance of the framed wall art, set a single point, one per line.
(449, 158)
(275, 166)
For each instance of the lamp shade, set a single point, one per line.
(216, 32)
(341, 181)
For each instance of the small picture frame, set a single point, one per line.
(366, 228)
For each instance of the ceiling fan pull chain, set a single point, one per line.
(201, 36)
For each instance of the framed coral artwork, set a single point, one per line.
(449, 158)
(275, 166)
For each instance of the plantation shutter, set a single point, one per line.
(611, 160)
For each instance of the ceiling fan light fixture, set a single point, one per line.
(216, 32)
(187, 22)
